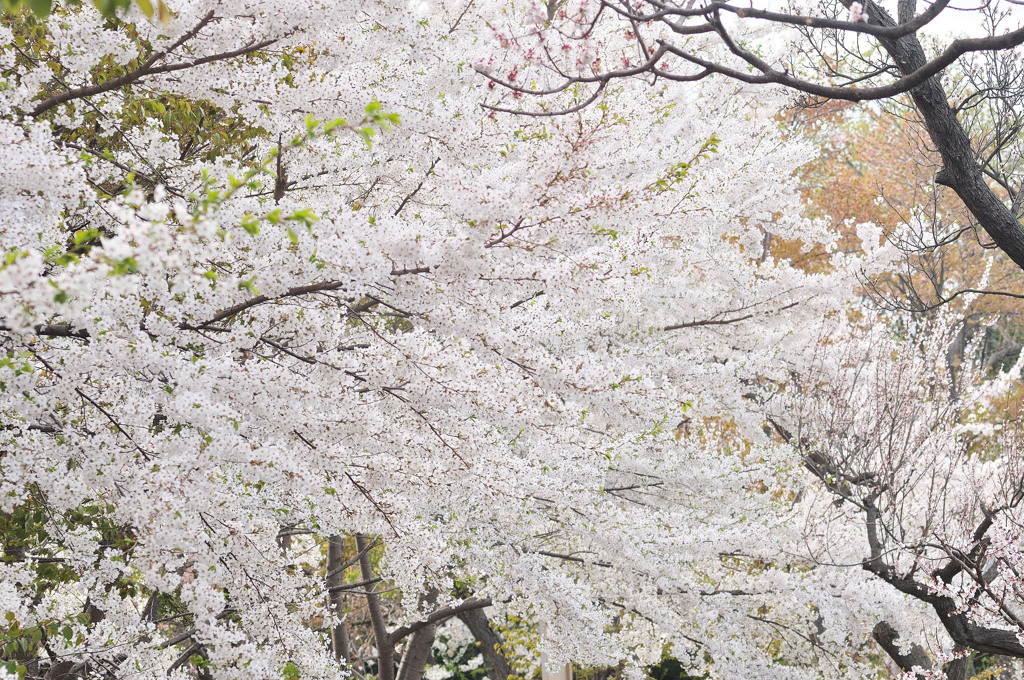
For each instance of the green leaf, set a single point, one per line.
(249, 285)
(290, 671)
(126, 266)
(41, 8)
(251, 224)
(60, 295)
(85, 235)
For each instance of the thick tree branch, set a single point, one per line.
(491, 644)
(924, 72)
(260, 299)
(149, 68)
(417, 653)
(886, 636)
(906, 26)
(439, 616)
(114, 83)
(972, 636)
(54, 331)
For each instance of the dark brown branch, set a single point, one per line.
(966, 291)
(769, 75)
(54, 331)
(439, 616)
(708, 322)
(544, 114)
(185, 656)
(145, 454)
(886, 636)
(491, 644)
(972, 636)
(353, 586)
(192, 631)
(148, 179)
(114, 83)
(890, 32)
(377, 506)
(407, 272)
(571, 558)
(260, 299)
(142, 72)
(65, 331)
(419, 186)
(721, 322)
(603, 78)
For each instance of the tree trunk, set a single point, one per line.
(385, 649)
(490, 643)
(417, 653)
(341, 645)
(886, 636)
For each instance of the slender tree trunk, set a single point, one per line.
(341, 644)
(385, 650)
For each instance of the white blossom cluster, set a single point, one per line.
(493, 341)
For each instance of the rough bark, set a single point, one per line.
(957, 670)
(972, 636)
(498, 667)
(960, 169)
(965, 633)
(439, 616)
(886, 636)
(417, 653)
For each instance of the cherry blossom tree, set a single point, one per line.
(828, 50)
(920, 485)
(281, 303)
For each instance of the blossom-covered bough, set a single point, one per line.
(926, 459)
(569, 54)
(305, 353)
(828, 50)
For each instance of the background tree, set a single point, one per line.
(840, 50)
(932, 478)
(946, 261)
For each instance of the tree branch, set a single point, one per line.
(128, 78)
(885, 635)
(439, 616)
